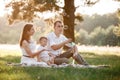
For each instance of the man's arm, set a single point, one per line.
(58, 46)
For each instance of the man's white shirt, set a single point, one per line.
(53, 40)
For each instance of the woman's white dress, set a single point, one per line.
(31, 61)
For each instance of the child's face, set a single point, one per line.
(43, 42)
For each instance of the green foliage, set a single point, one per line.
(116, 30)
(91, 22)
(111, 38)
(82, 37)
(26, 9)
(99, 36)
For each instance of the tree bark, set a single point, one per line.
(68, 19)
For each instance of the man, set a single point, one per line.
(56, 41)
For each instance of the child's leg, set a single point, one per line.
(51, 60)
(48, 62)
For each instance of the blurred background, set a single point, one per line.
(99, 24)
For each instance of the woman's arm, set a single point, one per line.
(25, 45)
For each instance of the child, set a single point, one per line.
(44, 56)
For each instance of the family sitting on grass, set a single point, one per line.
(50, 48)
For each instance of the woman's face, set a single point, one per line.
(32, 31)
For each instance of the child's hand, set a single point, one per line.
(52, 55)
(43, 50)
(52, 60)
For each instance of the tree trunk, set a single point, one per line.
(69, 18)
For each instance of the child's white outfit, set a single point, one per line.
(44, 56)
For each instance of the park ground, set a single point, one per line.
(95, 55)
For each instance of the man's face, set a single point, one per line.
(58, 28)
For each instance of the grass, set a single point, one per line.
(68, 73)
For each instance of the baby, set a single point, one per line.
(44, 56)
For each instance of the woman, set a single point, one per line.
(28, 47)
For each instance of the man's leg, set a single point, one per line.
(63, 58)
(78, 58)
(66, 54)
(59, 61)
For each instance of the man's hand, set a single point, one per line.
(58, 46)
(68, 41)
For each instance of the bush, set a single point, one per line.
(111, 39)
(82, 37)
(99, 36)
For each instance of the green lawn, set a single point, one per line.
(68, 73)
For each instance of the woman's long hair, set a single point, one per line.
(25, 35)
